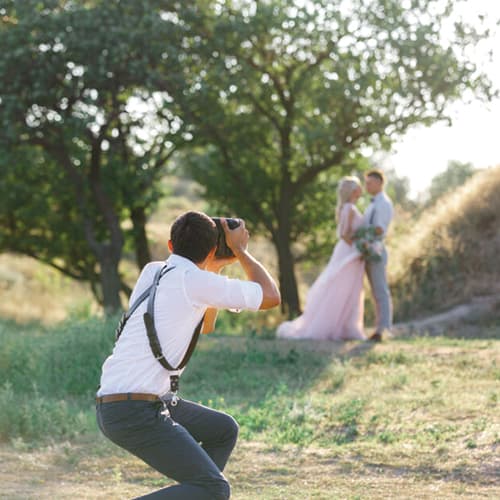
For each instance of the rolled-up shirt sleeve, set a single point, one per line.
(204, 288)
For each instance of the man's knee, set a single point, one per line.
(232, 428)
(228, 428)
(220, 490)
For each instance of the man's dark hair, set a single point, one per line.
(378, 174)
(193, 235)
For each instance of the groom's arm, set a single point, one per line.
(383, 218)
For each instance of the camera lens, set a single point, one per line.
(223, 251)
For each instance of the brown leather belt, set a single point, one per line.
(127, 396)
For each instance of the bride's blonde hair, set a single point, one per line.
(347, 186)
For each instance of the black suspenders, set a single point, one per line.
(154, 341)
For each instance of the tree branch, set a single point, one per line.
(312, 172)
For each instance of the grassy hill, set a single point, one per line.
(450, 254)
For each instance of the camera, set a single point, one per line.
(223, 251)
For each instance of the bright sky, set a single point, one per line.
(474, 135)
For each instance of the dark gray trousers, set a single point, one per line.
(191, 445)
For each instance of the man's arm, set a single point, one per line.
(237, 240)
(211, 313)
(209, 320)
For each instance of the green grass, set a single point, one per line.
(424, 409)
(49, 377)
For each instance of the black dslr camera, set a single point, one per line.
(223, 251)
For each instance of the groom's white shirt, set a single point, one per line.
(384, 212)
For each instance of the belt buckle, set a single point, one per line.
(169, 397)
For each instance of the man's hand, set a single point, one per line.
(216, 264)
(237, 241)
(237, 238)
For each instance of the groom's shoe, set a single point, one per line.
(376, 337)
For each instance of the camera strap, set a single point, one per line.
(154, 341)
(144, 295)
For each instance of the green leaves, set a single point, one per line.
(76, 94)
(287, 92)
(274, 99)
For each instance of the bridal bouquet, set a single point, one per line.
(369, 243)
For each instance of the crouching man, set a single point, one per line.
(138, 407)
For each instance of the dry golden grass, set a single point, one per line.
(256, 471)
(450, 255)
(32, 291)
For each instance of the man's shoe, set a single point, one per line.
(376, 337)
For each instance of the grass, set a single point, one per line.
(34, 292)
(415, 417)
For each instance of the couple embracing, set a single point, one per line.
(335, 302)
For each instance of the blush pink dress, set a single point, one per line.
(334, 304)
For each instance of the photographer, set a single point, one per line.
(137, 403)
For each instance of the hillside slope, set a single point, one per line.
(451, 255)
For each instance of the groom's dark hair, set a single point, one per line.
(193, 235)
(378, 174)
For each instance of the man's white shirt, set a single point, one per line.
(182, 297)
(384, 211)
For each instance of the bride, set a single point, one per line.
(334, 304)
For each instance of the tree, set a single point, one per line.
(281, 97)
(453, 177)
(86, 137)
(398, 188)
(38, 216)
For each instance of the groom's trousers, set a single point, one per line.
(377, 276)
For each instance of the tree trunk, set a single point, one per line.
(288, 284)
(108, 252)
(110, 279)
(142, 253)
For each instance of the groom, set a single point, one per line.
(379, 214)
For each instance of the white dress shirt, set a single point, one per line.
(182, 297)
(382, 211)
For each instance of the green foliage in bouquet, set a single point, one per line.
(369, 243)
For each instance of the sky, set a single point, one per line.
(475, 132)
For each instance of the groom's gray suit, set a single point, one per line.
(379, 214)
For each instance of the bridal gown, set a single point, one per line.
(334, 304)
